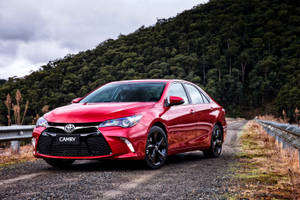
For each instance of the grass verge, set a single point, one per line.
(7, 157)
(265, 170)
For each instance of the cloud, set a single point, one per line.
(18, 66)
(33, 32)
(39, 51)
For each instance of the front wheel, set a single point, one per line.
(59, 163)
(156, 148)
(216, 143)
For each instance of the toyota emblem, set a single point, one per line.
(69, 128)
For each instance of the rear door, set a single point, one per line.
(202, 115)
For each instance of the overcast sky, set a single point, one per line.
(33, 32)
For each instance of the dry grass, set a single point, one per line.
(265, 171)
(7, 157)
(272, 118)
(280, 120)
(18, 118)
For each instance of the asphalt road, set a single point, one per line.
(185, 176)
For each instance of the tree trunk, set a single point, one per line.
(204, 76)
(203, 67)
(219, 70)
(243, 65)
(228, 46)
(230, 65)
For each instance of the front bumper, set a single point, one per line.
(107, 143)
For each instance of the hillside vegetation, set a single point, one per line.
(246, 54)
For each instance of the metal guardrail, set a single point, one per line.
(291, 129)
(16, 132)
(286, 135)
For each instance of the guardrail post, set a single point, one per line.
(284, 145)
(277, 139)
(15, 146)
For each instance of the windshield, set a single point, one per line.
(126, 92)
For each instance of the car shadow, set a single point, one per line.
(185, 158)
(129, 165)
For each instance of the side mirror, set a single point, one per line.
(76, 100)
(174, 100)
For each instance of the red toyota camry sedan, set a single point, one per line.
(141, 119)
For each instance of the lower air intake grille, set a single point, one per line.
(89, 145)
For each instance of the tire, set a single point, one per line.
(215, 149)
(156, 150)
(59, 163)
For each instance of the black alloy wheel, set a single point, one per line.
(156, 148)
(215, 149)
(59, 163)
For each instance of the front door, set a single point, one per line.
(179, 119)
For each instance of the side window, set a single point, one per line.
(205, 98)
(176, 89)
(194, 94)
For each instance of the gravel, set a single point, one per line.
(185, 176)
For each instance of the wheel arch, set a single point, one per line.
(221, 127)
(161, 125)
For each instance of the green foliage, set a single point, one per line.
(2, 81)
(244, 53)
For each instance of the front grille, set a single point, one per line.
(91, 143)
(76, 131)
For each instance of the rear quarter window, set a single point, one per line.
(195, 94)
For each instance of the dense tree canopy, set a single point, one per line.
(246, 54)
(2, 81)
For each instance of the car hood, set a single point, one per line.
(95, 112)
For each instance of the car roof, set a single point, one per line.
(150, 80)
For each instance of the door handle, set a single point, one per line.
(192, 111)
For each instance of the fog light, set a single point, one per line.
(129, 145)
(33, 142)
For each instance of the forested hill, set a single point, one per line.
(245, 53)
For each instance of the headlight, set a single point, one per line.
(124, 122)
(33, 142)
(42, 122)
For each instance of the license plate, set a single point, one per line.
(67, 139)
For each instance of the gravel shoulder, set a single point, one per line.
(185, 176)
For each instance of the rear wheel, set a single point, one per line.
(59, 163)
(156, 148)
(216, 143)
